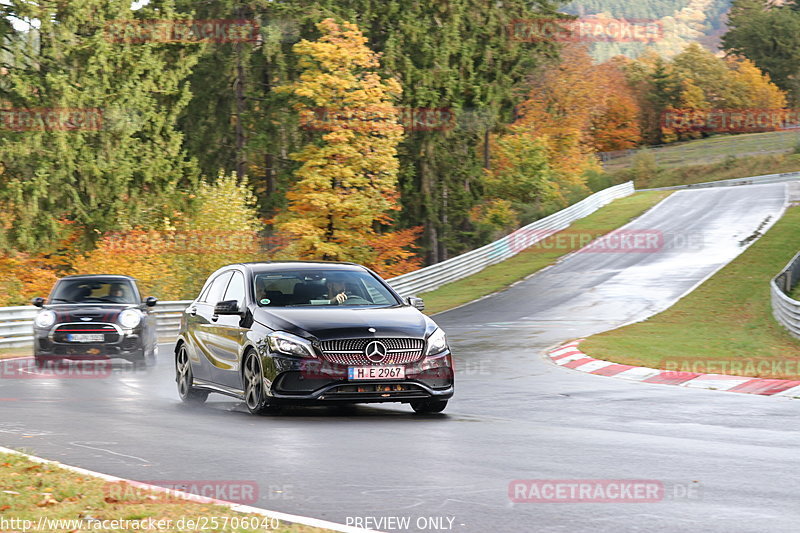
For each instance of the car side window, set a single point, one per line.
(236, 289)
(217, 289)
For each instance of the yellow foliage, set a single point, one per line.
(346, 185)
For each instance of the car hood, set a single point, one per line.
(328, 323)
(94, 312)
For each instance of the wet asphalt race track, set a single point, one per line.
(514, 416)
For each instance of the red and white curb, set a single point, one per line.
(569, 356)
(283, 517)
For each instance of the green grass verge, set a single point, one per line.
(717, 148)
(727, 321)
(744, 167)
(31, 490)
(535, 258)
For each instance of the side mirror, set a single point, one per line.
(416, 302)
(227, 307)
(150, 301)
(38, 302)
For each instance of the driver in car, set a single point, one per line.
(336, 291)
(116, 293)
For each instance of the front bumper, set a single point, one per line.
(129, 346)
(312, 381)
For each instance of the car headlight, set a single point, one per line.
(286, 343)
(45, 319)
(130, 318)
(437, 342)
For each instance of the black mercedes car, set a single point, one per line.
(95, 317)
(281, 333)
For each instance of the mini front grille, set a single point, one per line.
(400, 351)
(62, 333)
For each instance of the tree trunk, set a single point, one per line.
(241, 138)
(431, 234)
(486, 155)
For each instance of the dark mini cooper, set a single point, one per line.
(95, 317)
(272, 334)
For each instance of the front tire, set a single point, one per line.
(185, 379)
(429, 407)
(254, 394)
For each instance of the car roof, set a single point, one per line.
(272, 266)
(94, 276)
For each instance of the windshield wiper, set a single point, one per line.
(63, 300)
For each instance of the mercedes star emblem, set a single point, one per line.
(376, 351)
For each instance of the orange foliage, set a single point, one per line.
(615, 125)
(394, 252)
(23, 277)
(582, 107)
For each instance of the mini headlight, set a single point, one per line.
(437, 342)
(130, 318)
(45, 319)
(286, 343)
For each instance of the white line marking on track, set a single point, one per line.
(88, 445)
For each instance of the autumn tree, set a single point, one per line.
(521, 177)
(542, 159)
(767, 33)
(561, 105)
(693, 82)
(657, 89)
(712, 75)
(759, 91)
(108, 150)
(615, 124)
(346, 184)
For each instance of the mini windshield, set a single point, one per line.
(77, 291)
(321, 288)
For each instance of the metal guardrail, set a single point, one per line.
(16, 323)
(753, 180)
(786, 309)
(434, 276)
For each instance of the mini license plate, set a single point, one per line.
(85, 337)
(375, 372)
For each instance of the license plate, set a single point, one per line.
(355, 373)
(85, 337)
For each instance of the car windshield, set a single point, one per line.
(321, 288)
(94, 291)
